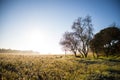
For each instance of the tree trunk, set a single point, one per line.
(85, 55)
(81, 54)
(93, 53)
(75, 54)
(97, 54)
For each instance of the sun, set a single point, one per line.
(40, 40)
(35, 39)
(35, 36)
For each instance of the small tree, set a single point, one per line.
(83, 31)
(78, 40)
(69, 42)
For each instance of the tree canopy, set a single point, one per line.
(107, 41)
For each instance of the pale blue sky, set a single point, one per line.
(39, 24)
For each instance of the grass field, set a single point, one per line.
(57, 67)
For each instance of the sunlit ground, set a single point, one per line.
(58, 67)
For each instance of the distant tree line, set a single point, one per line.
(81, 39)
(2, 50)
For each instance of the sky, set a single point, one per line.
(38, 25)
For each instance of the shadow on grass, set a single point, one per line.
(101, 77)
(112, 74)
(98, 61)
(113, 71)
(89, 61)
(112, 60)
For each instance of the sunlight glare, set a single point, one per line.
(35, 39)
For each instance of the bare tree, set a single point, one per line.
(69, 42)
(83, 31)
(78, 40)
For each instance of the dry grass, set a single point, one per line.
(57, 67)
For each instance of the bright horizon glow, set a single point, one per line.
(38, 25)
